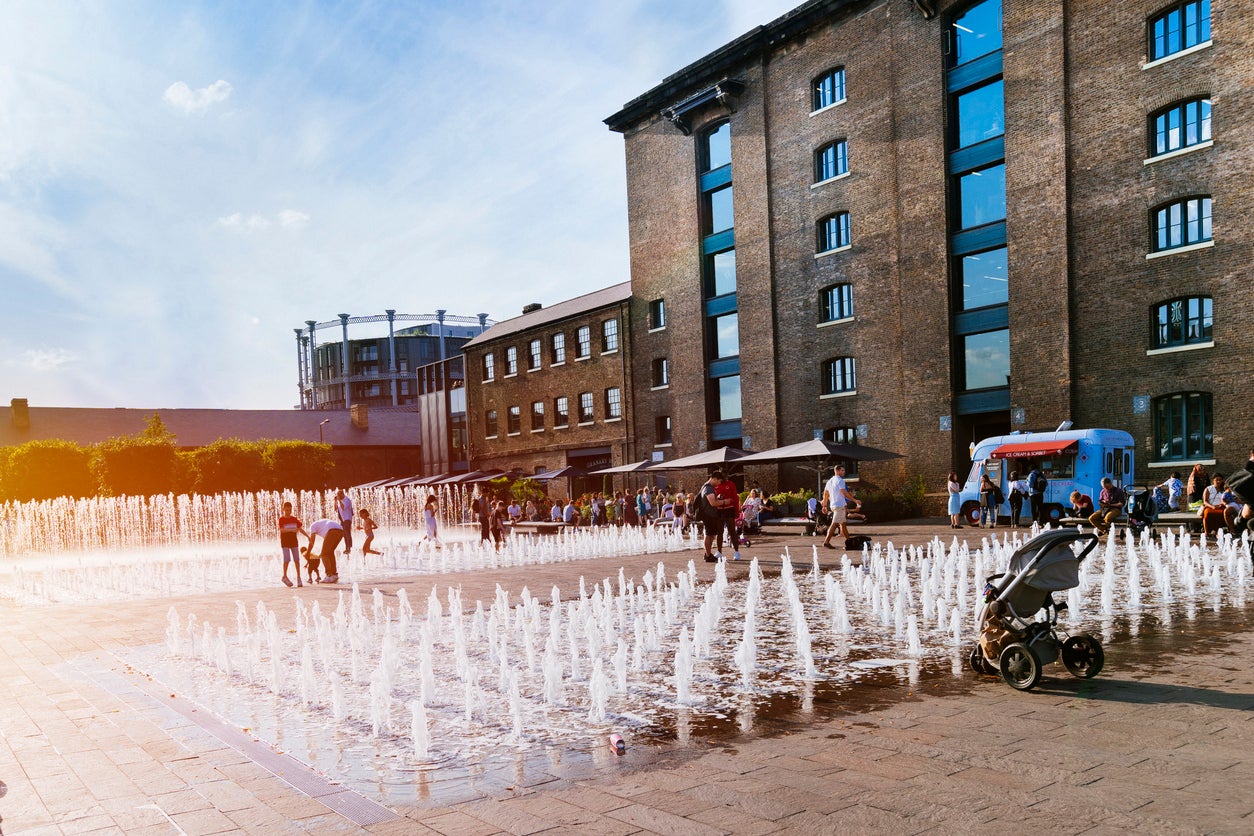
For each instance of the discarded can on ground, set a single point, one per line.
(617, 744)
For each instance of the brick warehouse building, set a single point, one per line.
(552, 388)
(917, 224)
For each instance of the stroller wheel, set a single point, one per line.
(1083, 656)
(978, 663)
(1019, 667)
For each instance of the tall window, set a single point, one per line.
(720, 272)
(716, 149)
(1179, 126)
(533, 355)
(585, 407)
(662, 429)
(657, 314)
(1179, 27)
(514, 420)
(561, 412)
(584, 338)
(1183, 426)
(836, 302)
(977, 32)
(489, 365)
(1183, 321)
(1181, 223)
(511, 360)
(839, 375)
(727, 405)
(537, 416)
(727, 335)
(984, 279)
(828, 89)
(834, 232)
(982, 196)
(986, 360)
(489, 423)
(981, 113)
(844, 435)
(832, 160)
(558, 346)
(718, 215)
(613, 402)
(661, 372)
(609, 335)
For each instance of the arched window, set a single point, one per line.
(834, 232)
(1183, 428)
(836, 302)
(839, 375)
(828, 89)
(1179, 126)
(1178, 27)
(1183, 321)
(832, 160)
(1181, 223)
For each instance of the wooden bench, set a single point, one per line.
(1168, 519)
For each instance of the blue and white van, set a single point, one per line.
(1069, 459)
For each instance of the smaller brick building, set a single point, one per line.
(552, 388)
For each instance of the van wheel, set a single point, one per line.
(971, 513)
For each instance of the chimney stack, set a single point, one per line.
(359, 415)
(21, 413)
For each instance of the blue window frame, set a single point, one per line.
(977, 32)
(832, 160)
(982, 196)
(834, 232)
(718, 210)
(727, 399)
(720, 272)
(726, 333)
(716, 147)
(1179, 126)
(984, 279)
(836, 302)
(839, 375)
(828, 89)
(1178, 27)
(1187, 320)
(1181, 223)
(981, 114)
(1183, 426)
(986, 360)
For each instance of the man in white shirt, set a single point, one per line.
(836, 501)
(331, 533)
(344, 507)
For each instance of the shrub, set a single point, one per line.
(46, 470)
(299, 465)
(230, 465)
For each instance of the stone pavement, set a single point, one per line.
(1161, 741)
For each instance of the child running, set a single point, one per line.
(289, 527)
(368, 526)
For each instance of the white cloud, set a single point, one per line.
(45, 359)
(188, 100)
(292, 219)
(287, 219)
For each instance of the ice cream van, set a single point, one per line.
(1068, 459)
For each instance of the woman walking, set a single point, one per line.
(428, 517)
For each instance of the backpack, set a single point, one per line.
(1038, 483)
(998, 496)
(855, 542)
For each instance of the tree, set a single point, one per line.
(300, 465)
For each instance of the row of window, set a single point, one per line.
(557, 350)
(612, 406)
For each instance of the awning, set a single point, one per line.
(1033, 449)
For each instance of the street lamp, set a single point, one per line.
(320, 426)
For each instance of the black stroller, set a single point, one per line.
(1012, 643)
(1142, 511)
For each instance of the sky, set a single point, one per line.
(184, 184)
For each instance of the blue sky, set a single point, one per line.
(183, 184)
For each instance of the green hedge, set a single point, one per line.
(150, 463)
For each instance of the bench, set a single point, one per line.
(811, 526)
(1168, 519)
(541, 528)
